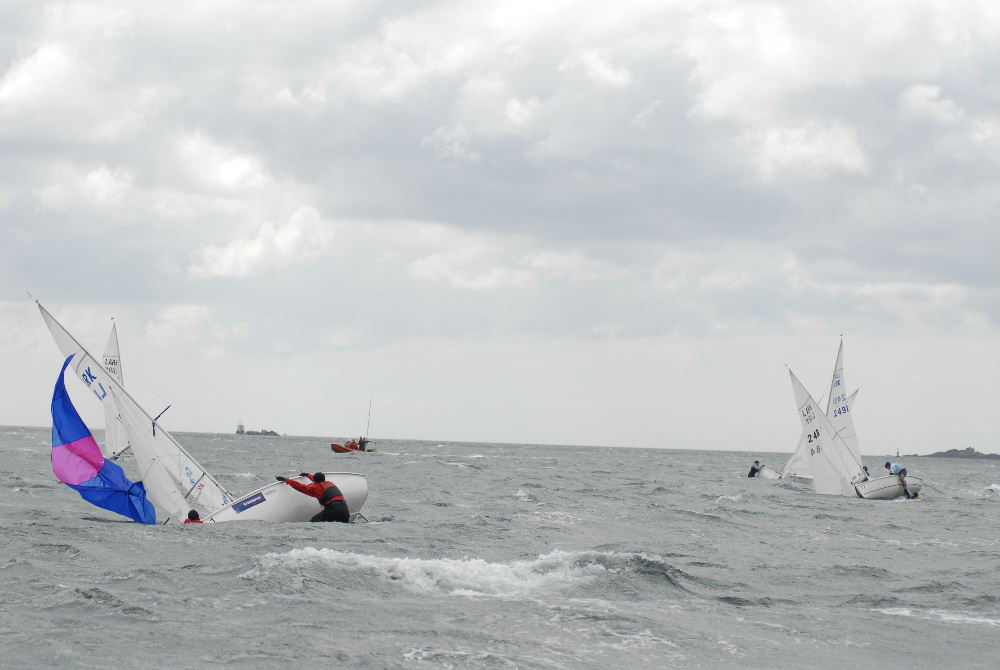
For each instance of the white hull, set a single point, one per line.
(279, 502)
(767, 473)
(887, 488)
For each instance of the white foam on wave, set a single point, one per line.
(941, 615)
(457, 577)
(523, 496)
(457, 658)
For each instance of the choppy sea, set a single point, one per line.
(506, 556)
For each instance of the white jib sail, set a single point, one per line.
(174, 481)
(839, 407)
(115, 434)
(833, 467)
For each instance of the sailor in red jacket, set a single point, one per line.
(329, 496)
(193, 517)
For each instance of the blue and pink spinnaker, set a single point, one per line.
(77, 462)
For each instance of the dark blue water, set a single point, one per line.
(507, 556)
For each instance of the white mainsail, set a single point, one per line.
(798, 464)
(839, 406)
(174, 481)
(834, 468)
(115, 434)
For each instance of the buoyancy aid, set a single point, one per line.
(330, 494)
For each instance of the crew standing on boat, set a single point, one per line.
(899, 470)
(329, 496)
(755, 469)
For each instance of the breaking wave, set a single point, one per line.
(941, 615)
(475, 576)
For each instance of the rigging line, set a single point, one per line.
(200, 425)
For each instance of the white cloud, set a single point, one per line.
(925, 102)
(484, 262)
(304, 235)
(69, 186)
(217, 166)
(599, 69)
(470, 268)
(39, 79)
(811, 150)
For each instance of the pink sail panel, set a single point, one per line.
(78, 461)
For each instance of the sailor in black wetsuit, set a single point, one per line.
(755, 469)
(334, 506)
(329, 496)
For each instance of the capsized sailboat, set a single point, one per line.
(836, 469)
(174, 481)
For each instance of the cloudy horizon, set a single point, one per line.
(596, 223)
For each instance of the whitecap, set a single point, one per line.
(941, 615)
(458, 577)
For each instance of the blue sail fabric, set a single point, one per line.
(77, 462)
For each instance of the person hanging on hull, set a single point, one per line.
(899, 470)
(193, 517)
(330, 497)
(755, 469)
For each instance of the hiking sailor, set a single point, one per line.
(329, 496)
(900, 470)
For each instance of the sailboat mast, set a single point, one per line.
(369, 424)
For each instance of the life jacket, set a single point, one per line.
(330, 494)
(193, 521)
(352, 444)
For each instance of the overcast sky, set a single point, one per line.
(549, 222)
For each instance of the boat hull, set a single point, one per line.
(887, 488)
(767, 473)
(279, 502)
(343, 449)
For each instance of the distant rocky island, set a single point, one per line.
(241, 431)
(968, 452)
